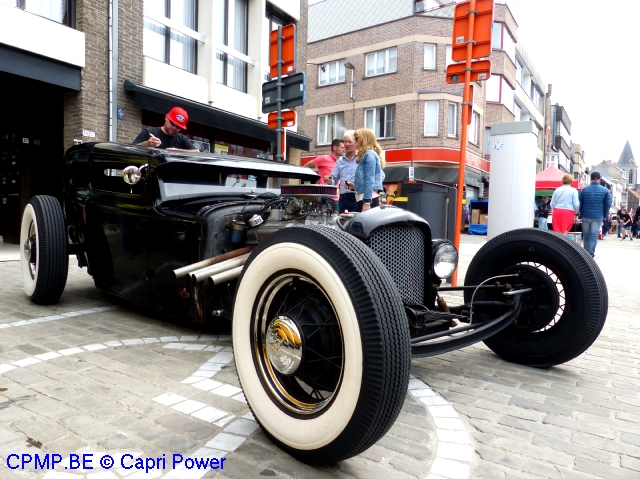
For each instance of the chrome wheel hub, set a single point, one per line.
(284, 345)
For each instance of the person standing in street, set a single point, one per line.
(625, 224)
(637, 221)
(168, 136)
(369, 174)
(618, 216)
(543, 213)
(565, 205)
(595, 202)
(324, 164)
(344, 173)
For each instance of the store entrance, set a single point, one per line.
(31, 147)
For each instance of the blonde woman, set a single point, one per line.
(565, 206)
(369, 173)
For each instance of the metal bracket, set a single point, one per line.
(473, 42)
(468, 70)
(468, 103)
(472, 11)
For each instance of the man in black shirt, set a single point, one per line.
(168, 136)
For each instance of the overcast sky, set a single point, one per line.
(587, 51)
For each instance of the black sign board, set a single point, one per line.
(293, 92)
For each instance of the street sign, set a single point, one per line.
(289, 118)
(481, 30)
(481, 70)
(288, 51)
(293, 92)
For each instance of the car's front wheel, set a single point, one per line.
(44, 257)
(568, 303)
(321, 343)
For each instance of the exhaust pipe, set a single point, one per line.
(227, 275)
(180, 272)
(201, 274)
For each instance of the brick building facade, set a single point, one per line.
(416, 87)
(100, 71)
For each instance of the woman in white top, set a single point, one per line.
(565, 205)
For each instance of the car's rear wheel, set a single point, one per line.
(44, 258)
(567, 308)
(321, 343)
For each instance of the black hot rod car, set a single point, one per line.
(326, 311)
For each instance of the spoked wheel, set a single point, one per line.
(567, 307)
(321, 343)
(44, 258)
(293, 311)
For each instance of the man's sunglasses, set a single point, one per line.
(174, 125)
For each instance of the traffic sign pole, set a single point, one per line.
(467, 111)
(279, 99)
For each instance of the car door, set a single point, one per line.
(117, 229)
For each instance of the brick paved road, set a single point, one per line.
(92, 375)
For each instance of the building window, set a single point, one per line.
(519, 71)
(384, 61)
(167, 44)
(447, 56)
(233, 20)
(333, 73)
(330, 127)
(487, 141)
(381, 120)
(631, 180)
(61, 11)
(429, 56)
(431, 118)
(472, 132)
(452, 120)
(496, 36)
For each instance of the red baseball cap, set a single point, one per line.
(179, 116)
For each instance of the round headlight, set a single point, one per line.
(445, 260)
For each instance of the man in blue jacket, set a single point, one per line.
(595, 201)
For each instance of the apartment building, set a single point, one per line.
(560, 153)
(578, 164)
(615, 179)
(384, 68)
(99, 71)
(398, 53)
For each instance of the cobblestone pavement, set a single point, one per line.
(91, 375)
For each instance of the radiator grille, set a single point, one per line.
(401, 250)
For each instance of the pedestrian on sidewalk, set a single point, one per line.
(543, 213)
(344, 174)
(625, 224)
(637, 221)
(595, 202)
(565, 205)
(323, 165)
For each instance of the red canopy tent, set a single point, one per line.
(551, 178)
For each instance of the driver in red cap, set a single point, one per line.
(168, 136)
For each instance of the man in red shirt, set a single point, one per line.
(323, 164)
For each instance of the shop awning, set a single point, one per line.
(551, 178)
(161, 102)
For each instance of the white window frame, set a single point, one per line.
(447, 56)
(335, 127)
(340, 73)
(437, 104)
(375, 55)
(455, 119)
(433, 48)
(472, 132)
(376, 113)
